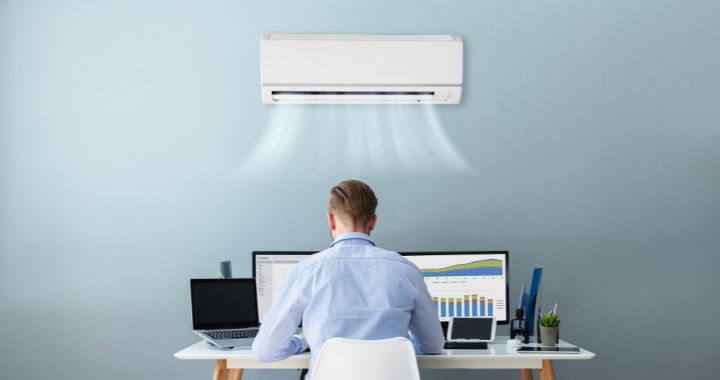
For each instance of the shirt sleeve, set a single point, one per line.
(425, 329)
(276, 340)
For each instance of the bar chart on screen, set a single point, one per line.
(464, 306)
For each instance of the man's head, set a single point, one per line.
(351, 208)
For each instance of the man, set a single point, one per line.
(352, 290)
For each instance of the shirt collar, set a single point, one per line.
(353, 238)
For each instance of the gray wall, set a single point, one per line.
(592, 128)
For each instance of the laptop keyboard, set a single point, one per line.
(231, 334)
(466, 345)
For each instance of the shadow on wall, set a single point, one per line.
(361, 138)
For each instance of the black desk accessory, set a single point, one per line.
(466, 345)
(519, 326)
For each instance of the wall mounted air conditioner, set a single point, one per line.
(361, 69)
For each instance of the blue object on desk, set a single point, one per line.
(532, 299)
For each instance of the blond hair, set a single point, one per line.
(353, 201)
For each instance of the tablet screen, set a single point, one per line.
(472, 328)
(546, 350)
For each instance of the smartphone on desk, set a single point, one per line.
(548, 350)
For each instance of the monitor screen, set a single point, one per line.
(270, 270)
(223, 303)
(465, 284)
(450, 278)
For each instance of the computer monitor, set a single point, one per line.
(473, 282)
(466, 284)
(270, 269)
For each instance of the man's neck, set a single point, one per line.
(339, 232)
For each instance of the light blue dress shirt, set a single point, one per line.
(351, 290)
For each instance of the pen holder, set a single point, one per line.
(225, 269)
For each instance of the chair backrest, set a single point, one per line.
(349, 359)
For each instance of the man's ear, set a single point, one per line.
(373, 221)
(331, 221)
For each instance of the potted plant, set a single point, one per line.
(549, 325)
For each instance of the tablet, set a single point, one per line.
(548, 350)
(471, 329)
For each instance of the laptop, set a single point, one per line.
(224, 311)
(470, 333)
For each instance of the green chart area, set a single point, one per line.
(489, 267)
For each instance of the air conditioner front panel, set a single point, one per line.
(361, 95)
(375, 63)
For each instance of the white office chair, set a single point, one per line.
(349, 359)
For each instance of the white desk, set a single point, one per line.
(230, 363)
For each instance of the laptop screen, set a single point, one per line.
(223, 303)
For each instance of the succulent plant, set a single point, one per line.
(550, 319)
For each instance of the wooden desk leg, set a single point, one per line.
(526, 374)
(547, 372)
(222, 372)
(236, 374)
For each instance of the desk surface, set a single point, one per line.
(498, 355)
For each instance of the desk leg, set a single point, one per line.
(547, 372)
(236, 374)
(526, 374)
(223, 373)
